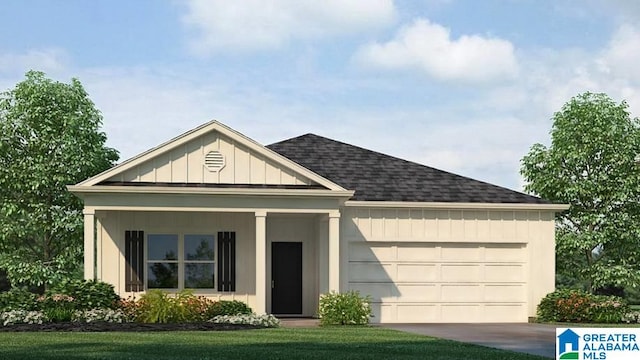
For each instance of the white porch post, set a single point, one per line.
(89, 244)
(261, 262)
(334, 251)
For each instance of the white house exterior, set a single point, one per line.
(277, 226)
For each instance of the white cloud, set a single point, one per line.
(262, 24)
(428, 47)
(620, 59)
(48, 59)
(552, 77)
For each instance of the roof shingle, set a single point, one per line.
(379, 177)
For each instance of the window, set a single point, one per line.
(180, 261)
(162, 261)
(198, 261)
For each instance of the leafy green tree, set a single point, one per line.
(50, 137)
(592, 164)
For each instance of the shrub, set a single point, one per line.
(195, 308)
(608, 309)
(130, 308)
(100, 315)
(632, 317)
(13, 317)
(57, 307)
(568, 305)
(87, 294)
(344, 309)
(228, 307)
(266, 320)
(156, 306)
(18, 299)
(192, 308)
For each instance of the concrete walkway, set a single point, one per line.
(299, 322)
(536, 339)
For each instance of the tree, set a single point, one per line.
(592, 164)
(49, 137)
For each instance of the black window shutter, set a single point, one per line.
(134, 257)
(227, 261)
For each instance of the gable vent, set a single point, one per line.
(214, 161)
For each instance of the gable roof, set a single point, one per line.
(212, 126)
(378, 177)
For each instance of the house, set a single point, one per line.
(568, 342)
(276, 226)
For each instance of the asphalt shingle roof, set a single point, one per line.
(378, 177)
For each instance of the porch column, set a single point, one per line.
(89, 244)
(261, 262)
(334, 251)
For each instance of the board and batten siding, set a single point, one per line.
(111, 227)
(186, 164)
(438, 265)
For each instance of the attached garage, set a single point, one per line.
(428, 265)
(285, 223)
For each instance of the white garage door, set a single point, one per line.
(441, 282)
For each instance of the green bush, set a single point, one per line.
(156, 306)
(58, 307)
(344, 309)
(87, 294)
(18, 299)
(228, 307)
(570, 305)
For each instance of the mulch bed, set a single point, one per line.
(132, 327)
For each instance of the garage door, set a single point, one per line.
(441, 282)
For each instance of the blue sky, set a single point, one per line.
(466, 86)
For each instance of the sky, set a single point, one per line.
(465, 86)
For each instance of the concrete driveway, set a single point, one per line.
(534, 339)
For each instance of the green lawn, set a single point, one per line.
(319, 343)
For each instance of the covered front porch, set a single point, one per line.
(284, 254)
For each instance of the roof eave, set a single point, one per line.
(80, 190)
(458, 206)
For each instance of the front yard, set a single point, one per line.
(318, 343)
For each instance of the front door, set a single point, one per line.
(286, 278)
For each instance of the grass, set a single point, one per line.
(319, 343)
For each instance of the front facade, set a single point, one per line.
(277, 226)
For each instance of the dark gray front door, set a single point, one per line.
(286, 275)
